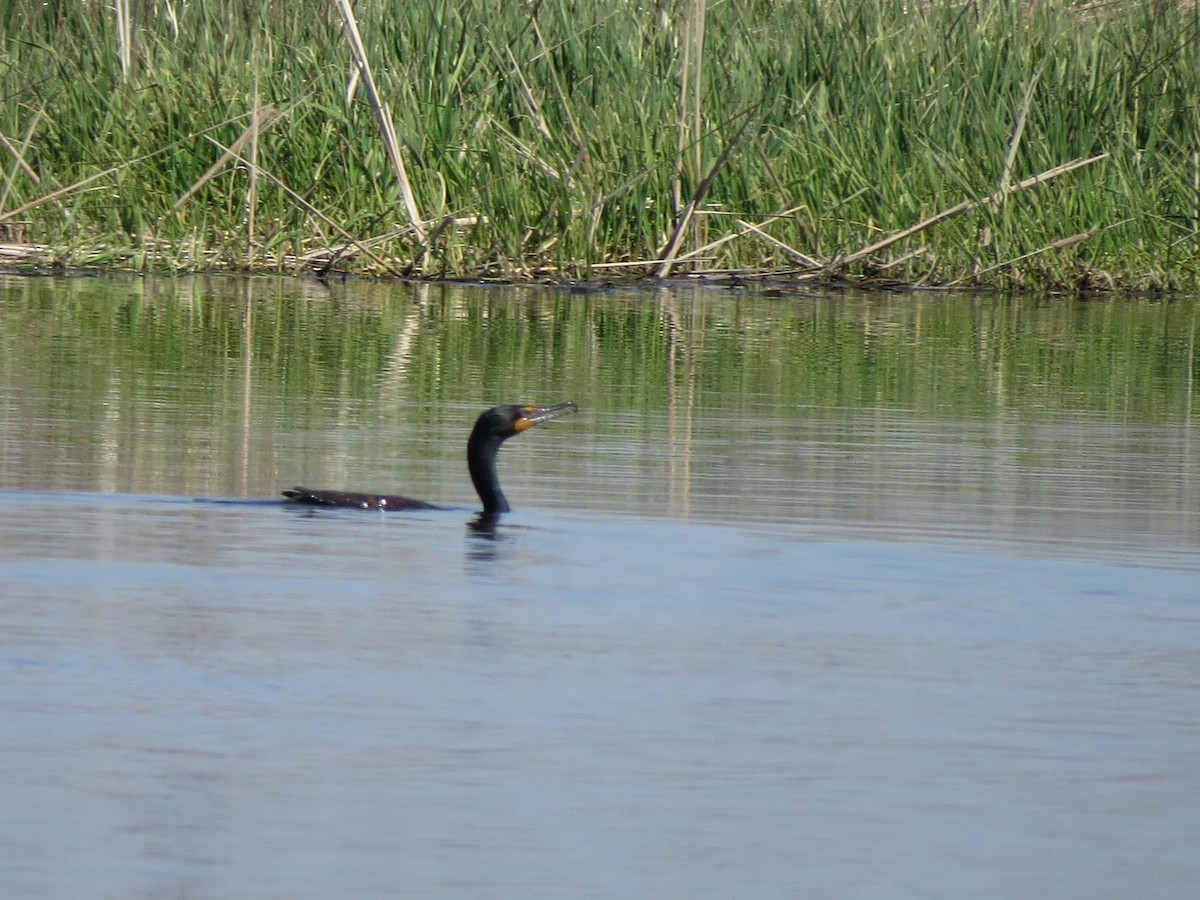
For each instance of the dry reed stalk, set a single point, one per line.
(707, 248)
(447, 223)
(124, 29)
(689, 128)
(1055, 245)
(19, 162)
(252, 179)
(1018, 130)
(383, 117)
(1195, 194)
(695, 85)
(967, 205)
(625, 264)
(721, 241)
(790, 252)
(23, 252)
(53, 196)
(261, 117)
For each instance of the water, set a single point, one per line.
(735, 646)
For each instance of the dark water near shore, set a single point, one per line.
(843, 596)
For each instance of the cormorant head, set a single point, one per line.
(494, 427)
(501, 422)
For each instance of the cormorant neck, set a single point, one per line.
(481, 462)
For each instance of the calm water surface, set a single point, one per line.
(926, 639)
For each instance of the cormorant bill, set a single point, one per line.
(492, 428)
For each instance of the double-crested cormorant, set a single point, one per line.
(492, 428)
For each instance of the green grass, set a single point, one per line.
(554, 139)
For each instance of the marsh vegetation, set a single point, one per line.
(1011, 144)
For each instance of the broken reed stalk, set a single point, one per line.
(1018, 130)
(671, 250)
(383, 117)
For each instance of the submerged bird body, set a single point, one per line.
(492, 428)
(319, 497)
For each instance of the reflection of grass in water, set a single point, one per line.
(378, 352)
(168, 386)
(792, 134)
